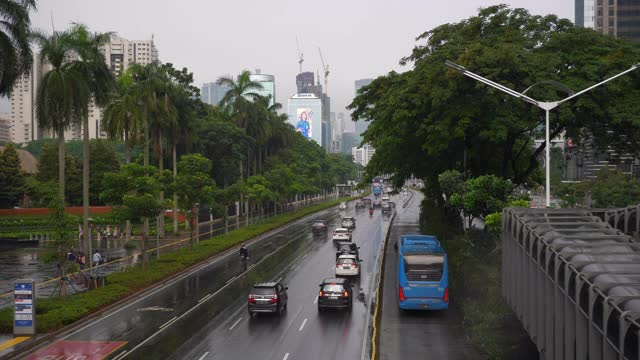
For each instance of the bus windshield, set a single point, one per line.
(423, 267)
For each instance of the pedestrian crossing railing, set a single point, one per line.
(573, 280)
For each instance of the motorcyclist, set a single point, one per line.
(371, 211)
(244, 252)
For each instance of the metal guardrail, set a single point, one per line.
(573, 280)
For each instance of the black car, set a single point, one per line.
(386, 207)
(348, 222)
(269, 297)
(360, 204)
(367, 202)
(335, 294)
(377, 203)
(346, 248)
(319, 227)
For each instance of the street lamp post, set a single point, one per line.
(197, 227)
(544, 105)
(90, 222)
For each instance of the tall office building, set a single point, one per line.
(304, 80)
(212, 93)
(5, 128)
(349, 141)
(305, 114)
(119, 54)
(619, 18)
(585, 12)
(268, 83)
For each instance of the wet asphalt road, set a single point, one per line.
(416, 334)
(202, 314)
(301, 333)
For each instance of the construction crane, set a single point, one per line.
(326, 73)
(300, 55)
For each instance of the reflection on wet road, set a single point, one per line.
(204, 311)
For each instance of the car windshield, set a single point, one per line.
(347, 221)
(318, 224)
(263, 291)
(344, 247)
(346, 261)
(342, 231)
(333, 288)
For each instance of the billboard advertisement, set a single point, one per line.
(304, 122)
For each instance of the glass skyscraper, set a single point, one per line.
(212, 93)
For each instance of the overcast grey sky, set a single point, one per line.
(359, 38)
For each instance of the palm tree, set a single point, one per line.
(63, 95)
(101, 84)
(239, 90)
(16, 56)
(122, 119)
(235, 97)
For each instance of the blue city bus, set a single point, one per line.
(423, 273)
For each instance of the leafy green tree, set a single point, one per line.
(283, 184)
(48, 172)
(612, 188)
(482, 196)
(430, 118)
(103, 160)
(451, 182)
(134, 191)
(224, 198)
(12, 178)
(260, 191)
(15, 52)
(194, 184)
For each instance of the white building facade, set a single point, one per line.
(119, 54)
(362, 155)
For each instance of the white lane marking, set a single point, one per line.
(250, 266)
(168, 322)
(235, 323)
(230, 280)
(203, 356)
(315, 300)
(280, 279)
(204, 298)
(302, 326)
(286, 356)
(120, 355)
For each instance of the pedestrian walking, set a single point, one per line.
(97, 258)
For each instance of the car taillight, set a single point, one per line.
(321, 293)
(346, 294)
(445, 298)
(337, 265)
(401, 294)
(274, 299)
(252, 300)
(354, 266)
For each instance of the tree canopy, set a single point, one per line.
(431, 118)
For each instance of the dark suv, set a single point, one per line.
(348, 222)
(270, 297)
(335, 294)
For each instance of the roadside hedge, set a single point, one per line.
(56, 312)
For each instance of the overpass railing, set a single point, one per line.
(573, 280)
